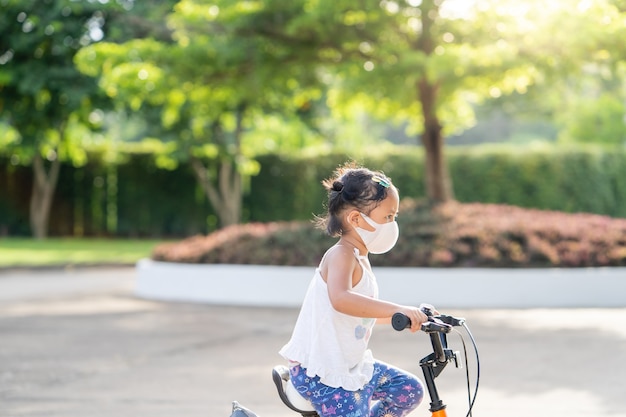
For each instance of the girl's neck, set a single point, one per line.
(353, 242)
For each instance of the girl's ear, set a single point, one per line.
(353, 218)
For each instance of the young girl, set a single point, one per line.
(330, 364)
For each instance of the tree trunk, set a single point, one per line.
(230, 189)
(226, 197)
(437, 177)
(44, 185)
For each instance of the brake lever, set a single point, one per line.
(452, 321)
(434, 325)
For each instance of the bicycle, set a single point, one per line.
(437, 327)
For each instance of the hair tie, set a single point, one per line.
(337, 186)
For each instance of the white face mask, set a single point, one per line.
(382, 239)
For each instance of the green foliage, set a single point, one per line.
(448, 235)
(8, 136)
(596, 121)
(214, 71)
(51, 104)
(139, 20)
(39, 86)
(578, 70)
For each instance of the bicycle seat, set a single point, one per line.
(288, 394)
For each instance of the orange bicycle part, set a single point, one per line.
(439, 413)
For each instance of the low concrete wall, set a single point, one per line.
(262, 285)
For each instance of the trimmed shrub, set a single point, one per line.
(281, 243)
(448, 235)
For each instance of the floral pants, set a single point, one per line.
(394, 393)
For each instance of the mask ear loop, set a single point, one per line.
(369, 220)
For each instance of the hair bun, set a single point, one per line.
(337, 186)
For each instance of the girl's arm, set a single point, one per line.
(339, 274)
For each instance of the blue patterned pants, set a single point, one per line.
(391, 393)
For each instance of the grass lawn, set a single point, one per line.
(24, 252)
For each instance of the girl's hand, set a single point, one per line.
(416, 316)
(429, 307)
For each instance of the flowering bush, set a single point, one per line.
(447, 235)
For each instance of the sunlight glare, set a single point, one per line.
(456, 9)
(391, 6)
(584, 5)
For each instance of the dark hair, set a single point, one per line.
(352, 186)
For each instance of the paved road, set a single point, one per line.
(78, 343)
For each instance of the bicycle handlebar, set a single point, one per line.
(441, 323)
(436, 327)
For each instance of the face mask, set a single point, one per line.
(382, 239)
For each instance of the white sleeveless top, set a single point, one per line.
(330, 344)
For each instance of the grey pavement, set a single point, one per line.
(79, 343)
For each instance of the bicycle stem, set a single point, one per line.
(431, 368)
(438, 348)
(432, 365)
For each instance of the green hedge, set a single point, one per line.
(571, 179)
(139, 199)
(135, 199)
(288, 187)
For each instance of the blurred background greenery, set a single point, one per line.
(161, 119)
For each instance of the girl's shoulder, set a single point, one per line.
(339, 256)
(339, 252)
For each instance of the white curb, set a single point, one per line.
(284, 286)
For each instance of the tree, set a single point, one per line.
(426, 63)
(43, 95)
(401, 58)
(41, 92)
(207, 89)
(580, 66)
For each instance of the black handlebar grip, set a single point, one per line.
(400, 321)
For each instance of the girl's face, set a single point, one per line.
(385, 212)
